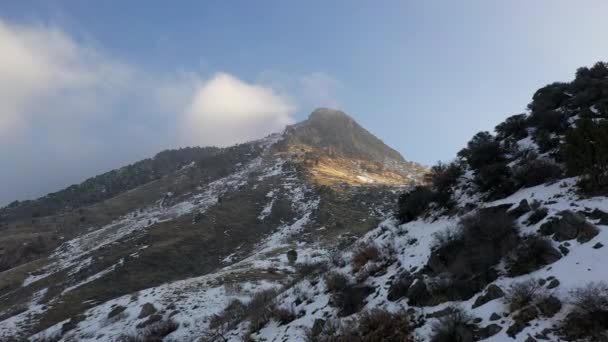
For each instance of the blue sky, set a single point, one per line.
(424, 76)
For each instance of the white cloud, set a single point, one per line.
(226, 110)
(44, 73)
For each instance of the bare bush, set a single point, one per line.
(345, 296)
(364, 253)
(457, 326)
(523, 294)
(589, 318)
(374, 325)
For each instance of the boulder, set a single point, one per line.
(489, 331)
(521, 209)
(569, 226)
(553, 284)
(418, 294)
(441, 313)
(495, 317)
(317, 327)
(550, 306)
(146, 310)
(491, 293)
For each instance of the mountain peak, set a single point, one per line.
(326, 114)
(335, 131)
(336, 149)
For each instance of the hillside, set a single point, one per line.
(223, 219)
(328, 235)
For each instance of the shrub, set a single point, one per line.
(364, 253)
(482, 150)
(589, 318)
(292, 256)
(551, 121)
(309, 269)
(586, 153)
(414, 203)
(548, 98)
(345, 296)
(546, 141)
(374, 325)
(523, 294)
(515, 127)
(470, 254)
(457, 326)
(443, 179)
(496, 179)
(532, 253)
(592, 298)
(154, 333)
(229, 318)
(536, 171)
(260, 309)
(283, 315)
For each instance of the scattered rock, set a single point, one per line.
(597, 215)
(441, 313)
(598, 245)
(537, 216)
(317, 327)
(542, 282)
(418, 294)
(521, 209)
(515, 328)
(550, 306)
(527, 314)
(477, 320)
(152, 319)
(564, 249)
(72, 323)
(569, 226)
(495, 317)
(489, 331)
(553, 284)
(530, 339)
(116, 310)
(491, 293)
(146, 310)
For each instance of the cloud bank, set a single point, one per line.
(69, 111)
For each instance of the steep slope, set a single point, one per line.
(505, 243)
(216, 228)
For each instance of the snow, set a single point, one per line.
(73, 253)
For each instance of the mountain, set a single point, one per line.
(322, 233)
(192, 220)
